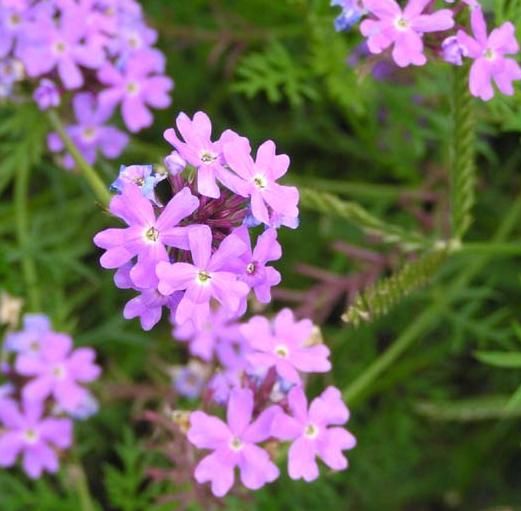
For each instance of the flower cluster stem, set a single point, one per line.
(96, 184)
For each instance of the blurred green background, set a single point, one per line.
(433, 430)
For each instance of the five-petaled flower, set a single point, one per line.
(402, 29)
(205, 279)
(489, 54)
(234, 445)
(146, 236)
(314, 432)
(283, 344)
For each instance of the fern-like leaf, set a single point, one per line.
(274, 72)
(331, 205)
(385, 294)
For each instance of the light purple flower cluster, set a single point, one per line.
(192, 249)
(44, 390)
(199, 239)
(403, 31)
(74, 47)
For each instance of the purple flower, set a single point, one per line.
(138, 86)
(311, 435)
(452, 51)
(12, 25)
(31, 338)
(142, 176)
(252, 265)
(51, 45)
(90, 132)
(402, 28)
(145, 236)
(205, 279)
(259, 179)
(148, 307)
(352, 11)
(175, 163)
(11, 71)
(35, 438)
(189, 380)
(197, 149)
(234, 445)
(57, 371)
(219, 328)
(488, 52)
(283, 344)
(46, 95)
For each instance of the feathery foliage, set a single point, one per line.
(330, 205)
(378, 300)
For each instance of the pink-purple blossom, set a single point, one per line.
(27, 433)
(490, 55)
(314, 432)
(146, 236)
(61, 47)
(234, 444)
(58, 371)
(252, 265)
(197, 149)
(138, 87)
(259, 179)
(204, 279)
(403, 29)
(283, 343)
(30, 339)
(90, 133)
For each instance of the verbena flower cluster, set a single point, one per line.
(43, 391)
(419, 31)
(199, 239)
(97, 55)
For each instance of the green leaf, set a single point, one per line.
(509, 360)
(275, 73)
(467, 410)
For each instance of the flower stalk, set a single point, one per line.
(92, 178)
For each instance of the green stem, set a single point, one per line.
(422, 325)
(332, 205)
(96, 184)
(24, 238)
(462, 175)
(82, 488)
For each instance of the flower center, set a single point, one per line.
(60, 47)
(282, 351)
(134, 41)
(140, 181)
(401, 24)
(236, 444)
(251, 268)
(489, 54)
(132, 88)
(260, 181)
(311, 431)
(14, 20)
(203, 278)
(59, 372)
(89, 134)
(152, 234)
(208, 157)
(31, 436)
